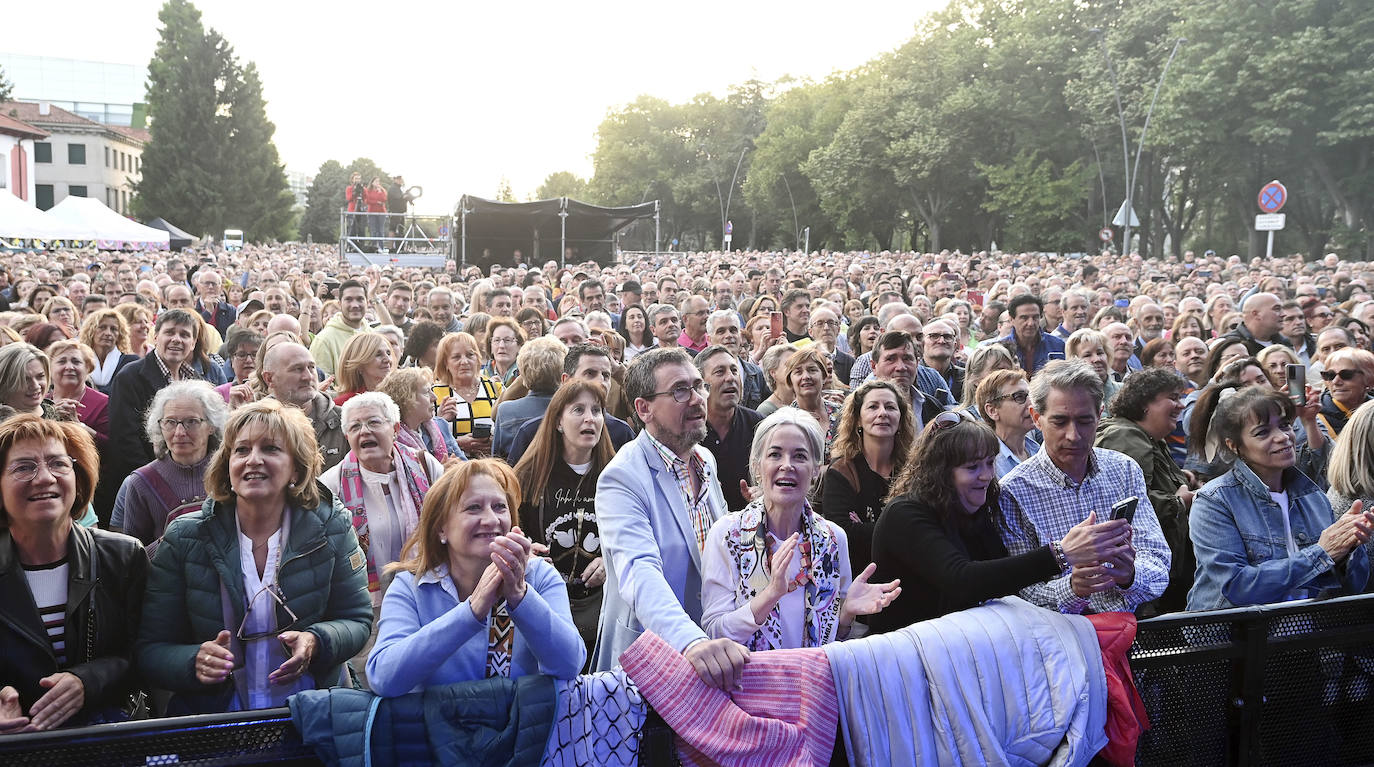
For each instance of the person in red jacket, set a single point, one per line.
(375, 197)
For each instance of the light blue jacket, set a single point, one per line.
(1242, 552)
(653, 564)
(428, 637)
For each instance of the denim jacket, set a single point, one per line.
(1242, 554)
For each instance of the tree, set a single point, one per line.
(209, 162)
(1039, 203)
(562, 184)
(258, 192)
(320, 222)
(504, 191)
(6, 87)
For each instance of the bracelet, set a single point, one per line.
(1057, 549)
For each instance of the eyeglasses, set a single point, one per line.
(1346, 375)
(503, 341)
(244, 356)
(1019, 397)
(682, 393)
(371, 424)
(950, 418)
(826, 323)
(26, 471)
(170, 425)
(273, 591)
(939, 336)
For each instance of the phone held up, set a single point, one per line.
(1297, 383)
(1125, 509)
(776, 329)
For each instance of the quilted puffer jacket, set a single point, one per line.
(322, 576)
(491, 722)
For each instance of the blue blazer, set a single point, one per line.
(653, 565)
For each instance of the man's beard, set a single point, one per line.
(682, 441)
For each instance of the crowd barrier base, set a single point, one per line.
(1287, 684)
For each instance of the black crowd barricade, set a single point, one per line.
(1275, 685)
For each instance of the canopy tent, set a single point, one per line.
(83, 218)
(489, 232)
(179, 239)
(21, 221)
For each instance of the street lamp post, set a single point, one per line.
(1125, 145)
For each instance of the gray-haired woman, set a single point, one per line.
(185, 424)
(775, 574)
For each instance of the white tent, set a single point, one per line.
(83, 218)
(21, 221)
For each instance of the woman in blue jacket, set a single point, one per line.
(469, 602)
(1264, 532)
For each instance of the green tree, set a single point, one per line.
(562, 184)
(323, 200)
(1038, 202)
(258, 192)
(6, 87)
(210, 161)
(504, 191)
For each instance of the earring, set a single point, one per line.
(443, 541)
(859, 429)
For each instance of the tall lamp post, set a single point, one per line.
(1125, 145)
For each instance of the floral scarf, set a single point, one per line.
(429, 429)
(750, 547)
(409, 464)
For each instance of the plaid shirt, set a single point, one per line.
(698, 506)
(1039, 505)
(188, 373)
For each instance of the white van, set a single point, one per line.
(233, 239)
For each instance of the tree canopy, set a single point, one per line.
(997, 122)
(210, 162)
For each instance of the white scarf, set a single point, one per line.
(105, 371)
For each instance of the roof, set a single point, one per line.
(140, 135)
(20, 128)
(28, 112)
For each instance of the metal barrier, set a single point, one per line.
(1284, 684)
(398, 239)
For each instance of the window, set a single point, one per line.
(123, 161)
(42, 152)
(76, 191)
(43, 196)
(107, 157)
(76, 154)
(110, 198)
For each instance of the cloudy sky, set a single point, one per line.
(456, 95)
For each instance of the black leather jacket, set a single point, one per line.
(107, 575)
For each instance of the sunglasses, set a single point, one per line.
(1019, 397)
(950, 418)
(1346, 375)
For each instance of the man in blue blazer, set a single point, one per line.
(655, 502)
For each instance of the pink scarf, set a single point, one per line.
(409, 463)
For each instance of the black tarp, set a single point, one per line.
(495, 230)
(179, 239)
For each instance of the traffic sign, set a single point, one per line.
(1272, 197)
(1270, 222)
(1121, 219)
(1105, 235)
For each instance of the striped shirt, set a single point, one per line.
(698, 501)
(48, 584)
(1040, 503)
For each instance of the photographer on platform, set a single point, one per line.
(356, 193)
(396, 206)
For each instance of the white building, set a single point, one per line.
(16, 156)
(300, 185)
(80, 157)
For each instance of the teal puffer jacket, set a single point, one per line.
(322, 576)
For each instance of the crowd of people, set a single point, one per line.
(226, 477)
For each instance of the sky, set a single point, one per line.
(458, 95)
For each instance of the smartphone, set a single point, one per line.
(776, 329)
(1297, 383)
(1125, 509)
(481, 430)
(975, 297)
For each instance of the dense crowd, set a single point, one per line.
(226, 477)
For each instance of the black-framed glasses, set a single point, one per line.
(26, 471)
(170, 425)
(1019, 397)
(682, 393)
(1346, 375)
(274, 592)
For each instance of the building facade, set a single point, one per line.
(17, 139)
(81, 157)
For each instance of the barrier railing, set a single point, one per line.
(405, 239)
(1283, 684)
